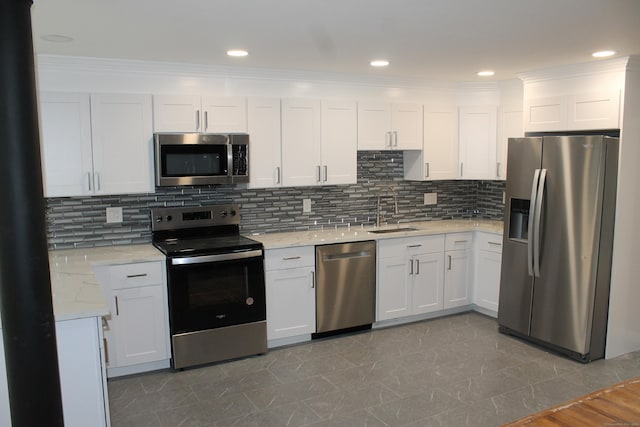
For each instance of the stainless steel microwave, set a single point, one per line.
(201, 159)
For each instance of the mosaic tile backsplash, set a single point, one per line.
(81, 221)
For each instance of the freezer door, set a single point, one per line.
(563, 295)
(514, 308)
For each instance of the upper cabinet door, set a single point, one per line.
(406, 126)
(545, 114)
(440, 143)
(374, 126)
(222, 114)
(478, 126)
(122, 136)
(595, 110)
(339, 142)
(65, 128)
(509, 126)
(263, 120)
(301, 161)
(176, 113)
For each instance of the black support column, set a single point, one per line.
(25, 290)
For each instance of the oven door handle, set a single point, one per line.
(214, 258)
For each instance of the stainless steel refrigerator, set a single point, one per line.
(558, 237)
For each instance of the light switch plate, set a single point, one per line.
(114, 215)
(306, 205)
(430, 198)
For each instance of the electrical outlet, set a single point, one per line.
(306, 205)
(114, 215)
(430, 198)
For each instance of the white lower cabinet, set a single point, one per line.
(488, 262)
(137, 330)
(82, 376)
(410, 276)
(457, 276)
(290, 292)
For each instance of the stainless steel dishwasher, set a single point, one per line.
(346, 285)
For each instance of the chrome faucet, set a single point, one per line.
(395, 203)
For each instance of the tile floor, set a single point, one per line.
(451, 371)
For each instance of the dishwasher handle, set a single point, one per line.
(347, 255)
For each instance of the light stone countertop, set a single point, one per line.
(345, 234)
(75, 288)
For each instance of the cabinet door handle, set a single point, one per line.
(395, 138)
(318, 174)
(197, 119)
(289, 258)
(388, 139)
(117, 308)
(97, 181)
(89, 180)
(498, 169)
(461, 168)
(206, 120)
(106, 350)
(417, 266)
(449, 268)
(410, 267)
(313, 279)
(131, 276)
(326, 170)
(426, 168)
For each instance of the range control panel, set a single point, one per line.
(192, 217)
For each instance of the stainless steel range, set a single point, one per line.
(216, 289)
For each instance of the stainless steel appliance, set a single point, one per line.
(201, 159)
(558, 237)
(216, 288)
(346, 285)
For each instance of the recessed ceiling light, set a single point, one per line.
(56, 38)
(485, 73)
(237, 52)
(379, 63)
(603, 54)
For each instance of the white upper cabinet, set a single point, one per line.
(509, 126)
(96, 144)
(439, 156)
(478, 129)
(265, 153)
(339, 136)
(580, 111)
(301, 153)
(192, 113)
(384, 126)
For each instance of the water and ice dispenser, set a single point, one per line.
(519, 219)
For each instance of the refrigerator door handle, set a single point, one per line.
(536, 225)
(530, 229)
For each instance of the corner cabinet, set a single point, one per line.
(137, 330)
(290, 292)
(488, 263)
(439, 157)
(83, 381)
(96, 144)
(478, 136)
(410, 276)
(458, 269)
(194, 113)
(384, 126)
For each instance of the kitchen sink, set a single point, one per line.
(392, 230)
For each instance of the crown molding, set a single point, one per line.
(575, 70)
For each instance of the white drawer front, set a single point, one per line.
(279, 259)
(137, 274)
(410, 245)
(458, 241)
(489, 242)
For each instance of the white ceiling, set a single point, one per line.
(442, 40)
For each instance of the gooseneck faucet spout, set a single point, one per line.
(395, 203)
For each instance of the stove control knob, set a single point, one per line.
(233, 213)
(158, 218)
(169, 217)
(223, 214)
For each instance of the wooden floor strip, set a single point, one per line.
(618, 405)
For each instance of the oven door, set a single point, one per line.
(214, 291)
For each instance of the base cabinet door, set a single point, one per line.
(428, 276)
(394, 292)
(488, 280)
(138, 325)
(456, 278)
(291, 308)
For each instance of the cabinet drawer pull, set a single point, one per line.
(414, 246)
(460, 241)
(495, 243)
(131, 276)
(289, 258)
(449, 268)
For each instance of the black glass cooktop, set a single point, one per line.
(210, 245)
